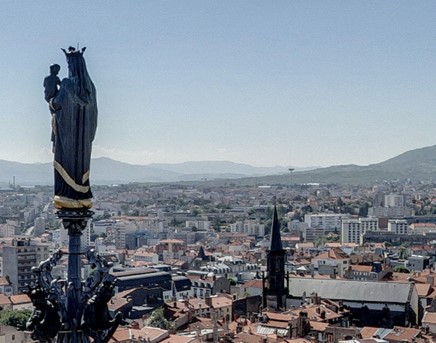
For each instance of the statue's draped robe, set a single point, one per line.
(75, 124)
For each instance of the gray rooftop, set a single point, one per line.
(348, 290)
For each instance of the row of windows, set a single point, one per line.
(201, 292)
(32, 250)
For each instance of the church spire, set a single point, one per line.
(275, 291)
(276, 239)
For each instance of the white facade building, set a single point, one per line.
(350, 231)
(369, 224)
(7, 230)
(353, 229)
(203, 225)
(325, 221)
(394, 206)
(395, 200)
(249, 227)
(398, 226)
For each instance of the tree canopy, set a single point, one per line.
(157, 319)
(16, 318)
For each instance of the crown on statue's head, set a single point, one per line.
(72, 50)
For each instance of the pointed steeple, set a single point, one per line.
(202, 254)
(173, 291)
(276, 239)
(275, 292)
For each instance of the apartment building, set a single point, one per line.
(249, 227)
(352, 229)
(325, 221)
(399, 226)
(18, 259)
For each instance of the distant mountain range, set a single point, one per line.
(418, 164)
(108, 171)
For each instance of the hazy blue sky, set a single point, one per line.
(261, 82)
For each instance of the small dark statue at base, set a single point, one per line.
(45, 321)
(97, 321)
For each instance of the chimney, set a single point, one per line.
(430, 279)
(323, 314)
(239, 328)
(134, 325)
(253, 318)
(208, 301)
(302, 320)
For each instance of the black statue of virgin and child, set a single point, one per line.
(73, 310)
(73, 106)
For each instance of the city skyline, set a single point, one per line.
(289, 83)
